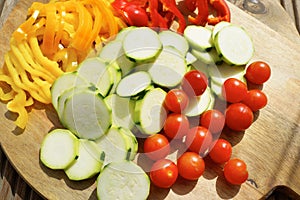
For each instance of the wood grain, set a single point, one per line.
(270, 146)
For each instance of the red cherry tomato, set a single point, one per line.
(190, 165)
(258, 72)
(190, 5)
(221, 151)
(235, 171)
(176, 125)
(238, 117)
(176, 100)
(198, 139)
(156, 147)
(164, 173)
(255, 99)
(135, 15)
(213, 120)
(194, 83)
(234, 90)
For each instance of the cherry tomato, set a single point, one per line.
(234, 90)
(164, 173)
(176, 100)
(213, 120)
(235, 171)
(156, 146)
(190, 5)
(135, 15)
(258, 72)
(255, 99)
(176, 125)
(190, 165)
(194, 83)
(238, 116)
(221, 151)
(198, 139)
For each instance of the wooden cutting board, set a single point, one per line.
(270, 147)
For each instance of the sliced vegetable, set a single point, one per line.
(150, 113)
(234, 44)
(166, 73)
(122, 110)
(113, 52)
(63, 83)
(89, 162)
(87, 115)
(170, 38)
(207, 57)
(138, 48)
(96, 72)
(219, 74)
(115, 144)
(198, 37)
(59, 149)
(198, 104)
(123, 180)
(133, 84)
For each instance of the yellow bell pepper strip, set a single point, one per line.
(47, 45)
(223, 12)
(21, 33)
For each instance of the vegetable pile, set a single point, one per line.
(53, 40)
(147, 86)
(131, 94)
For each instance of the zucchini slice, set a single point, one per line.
(132, 141)
(234, 44)
(115, 144)
(168, 68)
(122, 110)
(87, 115)
(59, 149)
(150, 113)
(113, 52)
(198, 104)
(95, 71)
(123, 180)
(207, 57)
(198, 37)
(218, 27)
(89, 162)
(221, 73)
(64, 82)
(170, 38)
(142, 44)
(133, 84)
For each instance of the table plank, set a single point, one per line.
(293, 9)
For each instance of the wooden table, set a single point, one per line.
(280, 15)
